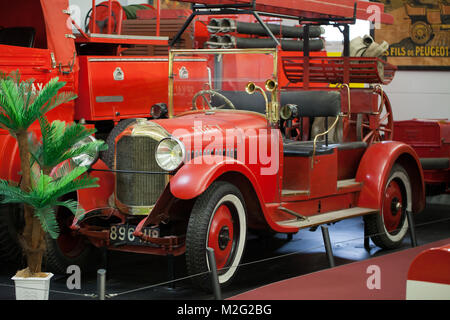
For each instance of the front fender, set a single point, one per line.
(374, 169)
(197, 175)
(97, 198)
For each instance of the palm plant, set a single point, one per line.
(45, 194)
(56, 137)
(20, 107)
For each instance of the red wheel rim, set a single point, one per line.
(392, 206)
(221, 235)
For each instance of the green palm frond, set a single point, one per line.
(46, 194)
(13, 194)
(61, 142)
(47, 217)
(21, 104)
(73, 206)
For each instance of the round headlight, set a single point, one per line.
(85, 159)
(170, 154)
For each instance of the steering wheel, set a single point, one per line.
(203, 93)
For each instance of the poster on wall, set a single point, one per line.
(420, 35)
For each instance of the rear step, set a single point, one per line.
(328, 217)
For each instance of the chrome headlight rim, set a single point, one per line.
(81, 159)
(182, 158)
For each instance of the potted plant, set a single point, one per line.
(41, 187)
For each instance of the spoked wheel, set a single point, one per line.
(218, 221)
(206, 97)
(378, 126)
(389, 227)
(421, 32)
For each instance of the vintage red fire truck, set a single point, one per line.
(249, 156)
(265, 146)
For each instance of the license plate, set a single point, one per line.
(123, 235)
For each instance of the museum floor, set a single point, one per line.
(266, 261)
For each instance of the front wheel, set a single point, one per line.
(389, 227)
(218, 221)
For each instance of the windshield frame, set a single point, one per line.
(174, 53)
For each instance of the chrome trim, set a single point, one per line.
(183, 151)
(115, 36)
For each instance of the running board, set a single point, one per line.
(328, 217)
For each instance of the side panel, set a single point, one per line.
(123, 87)
(375, 167)
(10, 164)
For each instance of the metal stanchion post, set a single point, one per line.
(327, 243)
(101, 283)
(171, 270)
(214, 277)
(412, 229)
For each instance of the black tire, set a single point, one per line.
(218, 203)
(108, 155)
(11, 224)
(389, 227)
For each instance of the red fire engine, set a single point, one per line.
(265, 144)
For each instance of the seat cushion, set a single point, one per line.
(304, 148)
(317, 103)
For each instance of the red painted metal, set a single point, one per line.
(374, 170)
(431, 265)
(392, 215)
(104, 96)
(337, 70)
(311, 8)
(102, 194)
(431, 140)
(221, 221)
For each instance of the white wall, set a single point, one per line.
(420, 94)
(413, 94)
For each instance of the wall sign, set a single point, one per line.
(420, 35)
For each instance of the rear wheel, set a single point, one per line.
(389, 227)
(218, 221)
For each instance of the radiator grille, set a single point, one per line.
(137, 153)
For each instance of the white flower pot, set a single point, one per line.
(32, 288)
